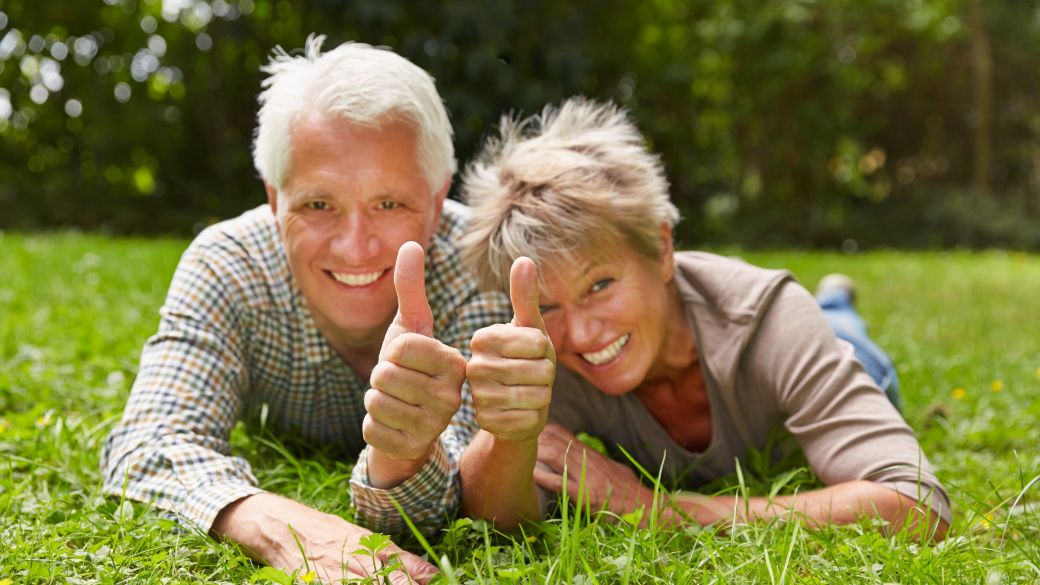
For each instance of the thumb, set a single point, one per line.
(413, 309)
(523, 293)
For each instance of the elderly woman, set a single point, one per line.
(686, 360)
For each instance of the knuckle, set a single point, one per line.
(546, 371)
(382, 374)
(541, 396)
(371, 401)
(404, 345)
(478, 367)
(455, 361)
(481, 340)
(369, 431)
(540, 341)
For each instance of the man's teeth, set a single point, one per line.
(608, 353)
(357, 279)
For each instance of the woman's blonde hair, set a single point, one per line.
(569, 184)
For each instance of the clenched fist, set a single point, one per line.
(513, 365)
(417, 384)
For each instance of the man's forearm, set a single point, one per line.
(498, 481)
(261, 523)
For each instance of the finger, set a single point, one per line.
(551, 454)
(393, 442)
(438, 394)
(413, 308)
(510, 341)
(548, 479)
(510, 371)
(523, 292)
(426, 355)
(558, 432)
(392, 412)
(498, 398)
(414, 566)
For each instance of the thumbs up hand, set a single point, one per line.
(417, 384)
(513, 365)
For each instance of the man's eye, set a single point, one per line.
(545, 308)
(601, 284)
(387, 205)
(318, 205)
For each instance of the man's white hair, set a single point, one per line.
(357, 82)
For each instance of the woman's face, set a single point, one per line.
(608, 320)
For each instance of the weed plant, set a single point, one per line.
(75, 311)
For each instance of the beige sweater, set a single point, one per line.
(771, 363)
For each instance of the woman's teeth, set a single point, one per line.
(608, 353)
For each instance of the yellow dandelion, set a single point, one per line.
(532, 538)
(985, 521)
(4, 424)
(1038, 372)
(997, 385)
(308, 577)
(959, 393)
(45, 419)
(5, 581)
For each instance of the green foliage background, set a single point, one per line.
(781, 122)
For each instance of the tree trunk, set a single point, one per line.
(982, 97)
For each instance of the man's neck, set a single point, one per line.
(360, 350)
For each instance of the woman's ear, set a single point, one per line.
(667, 252)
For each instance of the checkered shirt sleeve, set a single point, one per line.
(172, 446)
(235, 334)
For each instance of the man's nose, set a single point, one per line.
(355, 241)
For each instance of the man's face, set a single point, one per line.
(354, 194)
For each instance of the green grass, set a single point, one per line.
(76, 309)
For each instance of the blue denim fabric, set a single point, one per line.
(848, 325)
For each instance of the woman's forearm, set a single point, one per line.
(498, 482)
(842, 503)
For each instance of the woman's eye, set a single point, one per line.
(545, 308)
(387, 205)
(601, 284)
(318, 205)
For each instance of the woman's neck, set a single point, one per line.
(679, 345)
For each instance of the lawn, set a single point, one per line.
(961, 327)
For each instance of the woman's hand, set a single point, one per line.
(606, 482)
(510, 374)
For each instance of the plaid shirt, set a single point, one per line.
(234, 335)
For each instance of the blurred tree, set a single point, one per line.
(780, 121)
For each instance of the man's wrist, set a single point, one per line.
(385, 472)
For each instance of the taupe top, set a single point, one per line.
(770, 363)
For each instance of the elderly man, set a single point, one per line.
(314, 308)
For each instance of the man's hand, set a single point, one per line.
(268, 528)
(417, 384)
(606, 481)
(513, 365)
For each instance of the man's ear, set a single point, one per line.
(272, 197)
(667, 251)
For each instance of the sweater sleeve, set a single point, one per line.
(843, 422)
